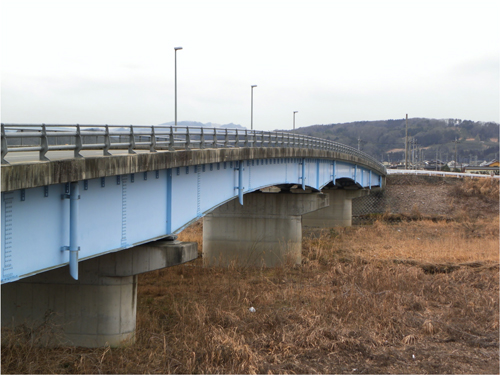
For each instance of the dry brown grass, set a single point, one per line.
(427, 241)
(417, 296)
(193, 233)
(484, 188)
(349, 308)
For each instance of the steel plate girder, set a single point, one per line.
(123, 211)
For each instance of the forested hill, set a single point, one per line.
(385, 138)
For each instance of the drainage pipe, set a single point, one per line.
(240, 182)
(303, 174)
(73, 229)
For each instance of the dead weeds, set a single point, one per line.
(414, 296)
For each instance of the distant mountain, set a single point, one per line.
(385, 139)
(204, 125)
(232, 126)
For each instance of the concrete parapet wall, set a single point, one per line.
(30, 175)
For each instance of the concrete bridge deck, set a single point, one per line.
(94, 212)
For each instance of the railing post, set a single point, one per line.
(226, 140)
(4, 146)
(254, 139)
(188, 139)
(202, 139)
(246, 138)
(215, 138)
(44, 144)
(171, 141)
(107, 143)
(152, 147)
(237, 139)
(131, 141)
(78, 143)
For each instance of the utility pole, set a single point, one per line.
(456, 143)
(406, 143)
(437, 158)
(413, 153)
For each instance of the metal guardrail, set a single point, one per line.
(440, 174)
(44, 138)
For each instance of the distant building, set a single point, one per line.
(432, 164)
(491, 168)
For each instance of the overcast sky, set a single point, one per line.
(112, 62)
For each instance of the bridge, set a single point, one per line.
(106, 201)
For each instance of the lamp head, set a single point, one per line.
(253, 86)
(176, 48)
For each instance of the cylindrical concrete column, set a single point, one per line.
(97, 310)
(265, 231)
(338, 213)
(91, 312)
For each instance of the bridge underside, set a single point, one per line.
(123, 211)
(103, 221)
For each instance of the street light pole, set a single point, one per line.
(175, 49)
(406, 143)
(251, 107)
(294, 112)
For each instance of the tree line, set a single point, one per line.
(385, 139)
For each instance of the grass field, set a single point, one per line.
(411, 296)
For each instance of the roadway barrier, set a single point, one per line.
(44, 138)
(439, 173)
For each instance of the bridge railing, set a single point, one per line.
(440, 173)
(44, 138)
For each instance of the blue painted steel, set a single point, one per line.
(303, 174)
(317, 173)
(169, 199)
(74, 247)
(240, 182)
(7, 233)
(115, 216)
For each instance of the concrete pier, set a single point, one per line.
(265, 231)
(98, 309)
(338, 213)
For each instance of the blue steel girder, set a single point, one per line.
(118, 212)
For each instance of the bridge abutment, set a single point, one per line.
(338, 213)
(98, 309)
(265, 231)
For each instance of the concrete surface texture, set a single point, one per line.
(29, 175)
(266, 231)
(100, 308)
(338, 213)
